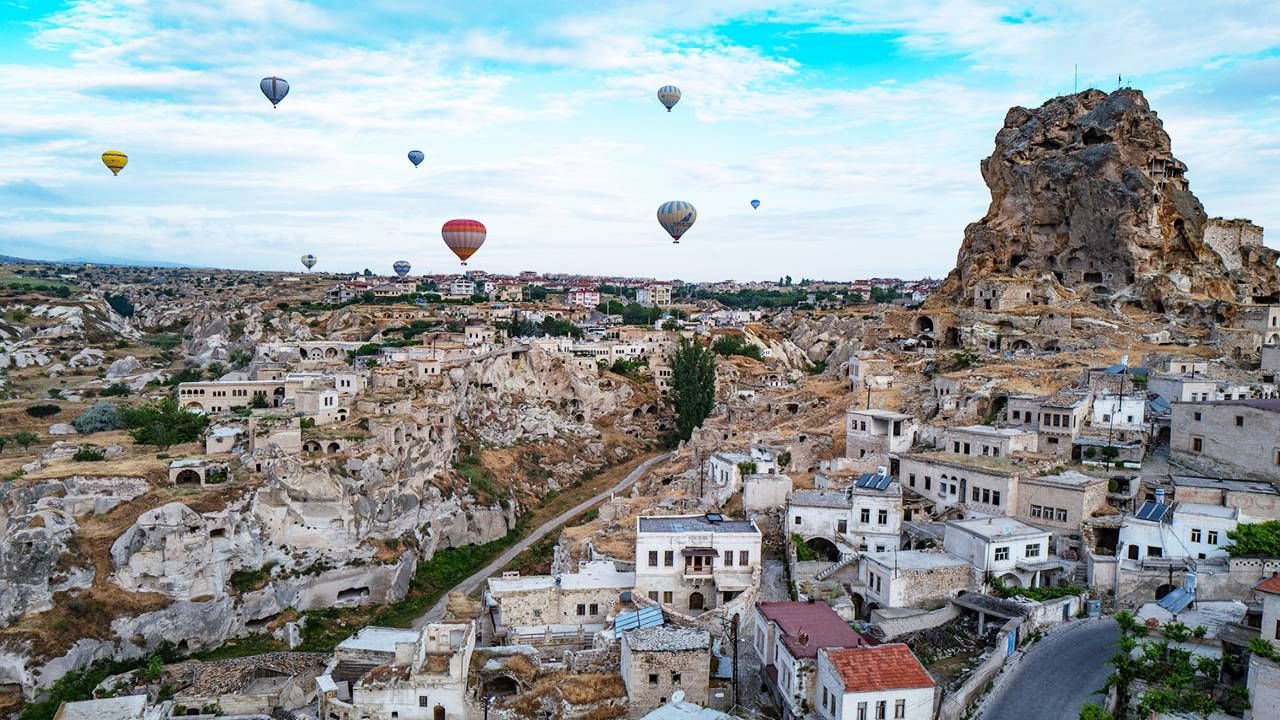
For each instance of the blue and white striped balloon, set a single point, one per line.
(669, 95)
(401, 267)
(676, 217)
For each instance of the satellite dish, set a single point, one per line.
(677, 696)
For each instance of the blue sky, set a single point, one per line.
(859, 126)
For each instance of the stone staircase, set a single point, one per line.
(845, 562)
(1081, 574)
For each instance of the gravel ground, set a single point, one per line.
(1056, 676)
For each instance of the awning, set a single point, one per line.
(699, 552)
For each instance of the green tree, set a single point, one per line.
(120, 304)
(1255, 539)
(259, 402)
(25, 439)
(1094, 712)
(735, 345)
(101, 417)
(164, 424)
(693, 385)
(115, 390)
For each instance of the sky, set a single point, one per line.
(858, 125)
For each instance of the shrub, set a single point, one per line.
(88, 453)
(163, 424)
(120, 304)
(42, 411)
(116, 390)
(735, 345)
(101, 417)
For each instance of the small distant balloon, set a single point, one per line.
(401, 267)
(309, 260)
(416, 157)
(274, 88)
(669, 95)
(676, 217)
(464, 237)
(115, 161)
(755, 204)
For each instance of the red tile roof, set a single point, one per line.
(808, 626)
(1270, 585)
(883, 667)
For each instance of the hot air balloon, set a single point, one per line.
(669, 95)
(416, 157)
(401, 267)
(115, 161)
(676, 217)
(464, 237)
(755, 204)
(309, 260)
(274, 88)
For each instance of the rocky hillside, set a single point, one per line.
(1088, 199)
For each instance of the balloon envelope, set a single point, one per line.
(401, 267)
(115, 161)
(676, 217)
(755, 204)
(464, 237)
(309, 261)
(274, 88)
(416, 157)
(669, 95)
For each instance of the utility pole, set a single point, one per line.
(734, 631)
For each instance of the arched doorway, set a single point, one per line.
(438, 713)
(279, 396)
(1011, 580)
(187, 477)
(825, 549)
(334, 447)
(696, 601)
(1164, 590)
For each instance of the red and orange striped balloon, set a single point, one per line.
(464, 237)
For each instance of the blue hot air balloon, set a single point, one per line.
(401, 267)
(669, 95)
(755, 204)
(309, 260)
(274, 88)
(416, 157)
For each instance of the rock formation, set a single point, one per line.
(1087, 198)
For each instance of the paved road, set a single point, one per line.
(1057, 676)
(468, 586)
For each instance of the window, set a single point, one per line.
(1133, 552)
(1278, 629)
(995, 498)
(825, 695)
(928, 482)
(653, 679)
(675, 678)
(912, 477)
(842, 525)
(1153, 551)
(1035, 511)
(862, 711)
(954, 488)
(881, 707)
(744, 557)
(1002, 552)
(1033, 550)
(582, 609)
(986, 495)
(956, 447)
(798, 521)
(728, 558)
(1213, 537)
(975, 494)
(899, 708)
(879, 548)
(1239, 421)
(865, 515)
(882, 517)
(653, 558)
(1195, 535)
(666, 597)
(1062, 515)
(653, 595)
(1197, 444)
(593, 609)
(422, 701)
(669, 558)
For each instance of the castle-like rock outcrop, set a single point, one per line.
(1088, 200)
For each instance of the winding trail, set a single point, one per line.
(468, 586)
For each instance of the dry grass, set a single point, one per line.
(574, 688)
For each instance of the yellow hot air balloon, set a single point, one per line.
(115, 161)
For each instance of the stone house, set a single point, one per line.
(871, 435)
(1061, 419)
(525, 607)
(221, 396)
(694, 563)
(864, 516)
(786, 637)
(1011, 551)
(725, 471)
(1228, 438)
(220, 439)
(881, 682)
(988, 441)
(983, 485)
(762, 493)
(1255, 498)
(1060, 502)
(913, 578)
(253, 685)
(129, 707)
(1183, 530)
(1182, 387)
(657, 662)
(1023, 411)
(386, 673)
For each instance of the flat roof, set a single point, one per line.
(1069, 478)
(378, 639)
(877, 413)
(807, 626)
(1270, 405)
(685, 711)
(916, 559)
(1218, 511)
(667, 638)
(1232, 485)
(838, 499)
(992, 430)
(997, 527)
(130, 707)
(695, 523)
(598, 574)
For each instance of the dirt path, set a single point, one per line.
(468, 586)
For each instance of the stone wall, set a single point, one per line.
(644, 694)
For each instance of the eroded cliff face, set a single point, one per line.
(1087, 196)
